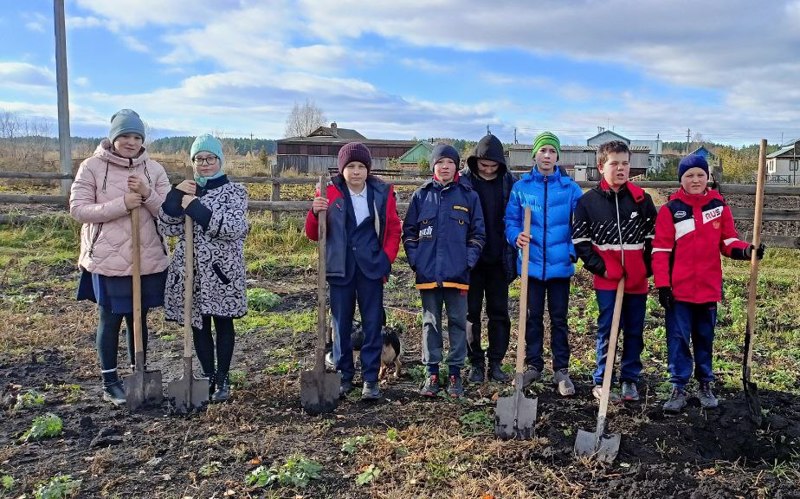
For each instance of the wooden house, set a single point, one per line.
(782, 165)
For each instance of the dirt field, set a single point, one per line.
(416, 447)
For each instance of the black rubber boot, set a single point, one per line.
(212, 383)
(223, 391)
(113, 390)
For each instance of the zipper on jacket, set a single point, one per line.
(619, 231)
(94, 238)
(544, 239)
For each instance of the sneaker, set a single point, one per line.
(530, 375)
(706, 396)
(597, 393)
(431, 386)
(370, 391)
(496, 373)
(345, 388)
(455, 389)
(114, 393)
(476, 374)
(676, 402)
(564, 384)
(629, 391)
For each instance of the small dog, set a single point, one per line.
(390, 354)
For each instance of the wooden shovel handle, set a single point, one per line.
(752, 285)
(188, 285)
(523, 294)
(322, 309)
(611, 353)
(136, 278)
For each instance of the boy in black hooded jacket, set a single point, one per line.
(488, 175)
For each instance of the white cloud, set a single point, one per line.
(82, 81)
(22, 75)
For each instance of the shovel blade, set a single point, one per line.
(515, 416)
(753, 402)
(143, 387)
(188, 393)
(319, 391)
(604, 446)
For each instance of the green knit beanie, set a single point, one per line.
(546, 138)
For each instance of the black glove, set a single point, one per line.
(665, 297)
(748, 252)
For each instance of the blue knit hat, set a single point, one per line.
(444, 151)
(692, 161)
(207, 143)
(125, 121)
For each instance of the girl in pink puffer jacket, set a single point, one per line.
(116, 179)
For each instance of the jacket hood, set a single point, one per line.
(489, 147)
(105, 152)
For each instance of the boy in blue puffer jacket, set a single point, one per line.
(552, 196)
(443, 235)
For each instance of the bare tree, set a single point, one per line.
(304, 119)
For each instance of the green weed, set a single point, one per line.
(211, 468)
(47, 426)
(60, 486)
(476, 423)
(298, 471)
(29, 399)
(368, 475)
(261, 300)
(351, 445)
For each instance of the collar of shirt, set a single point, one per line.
(362, 194)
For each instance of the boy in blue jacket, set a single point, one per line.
(552, 196)
(443, 235)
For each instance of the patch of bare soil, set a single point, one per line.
(155, 453)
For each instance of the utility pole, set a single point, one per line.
(64, 143)
(515, 135)
(251, 145)
(688, 136)
(487, 130)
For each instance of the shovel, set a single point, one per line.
(319, 391)
(750, 388)
(515, 416)
(601, 445)
(142, 386)
(188, 392)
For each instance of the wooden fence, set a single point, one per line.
(277, 206)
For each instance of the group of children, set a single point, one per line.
(464, 233)
(120, 177)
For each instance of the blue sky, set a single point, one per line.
(403, 69)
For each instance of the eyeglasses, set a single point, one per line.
(210, 160)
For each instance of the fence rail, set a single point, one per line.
(276, 205)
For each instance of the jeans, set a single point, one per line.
(488, 280)
(204, 344)
(369, 295)
(107, 340)
(631, 326)
(455, 302)
(557, 292)
(695, 323)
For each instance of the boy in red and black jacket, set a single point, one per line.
(362, 240)
(613, 230)
(692, 229)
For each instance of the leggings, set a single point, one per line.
(204, 344)
(108, 337)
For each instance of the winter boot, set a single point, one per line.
(212, 383)
(456, 388)
(530, 375)
(629, 391)
(113, 390)
(370, 391)
(476, 373)
(496, 372)
(223, 391)
(706, 396)
(676, 402)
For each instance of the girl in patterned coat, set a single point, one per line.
(218, 208)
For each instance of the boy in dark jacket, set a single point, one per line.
(552, 196)
(443, 235)
(488, 176)
(362, 240)
(613, 232)
(692, 229)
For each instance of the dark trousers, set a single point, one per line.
(204, 344)
(369, 295)
(556, 291)
(631, 324)
(107, 340)
(489, 281)
(455, 303)
(690, 323)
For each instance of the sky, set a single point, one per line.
(727, 70)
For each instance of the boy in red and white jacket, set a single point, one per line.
(692, 229)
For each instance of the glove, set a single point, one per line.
(748, 252)
(665, 297)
